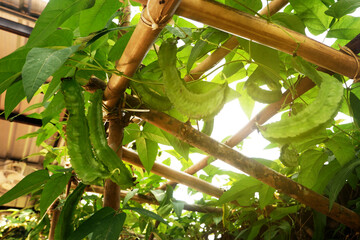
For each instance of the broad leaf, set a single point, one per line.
(326, 173)
(129, 195)
(10, 67)
(266, 195)
(40, 64)
(55, 14)
(338, 183)
(311, 163)
(28, 184)
(342, 8)
(179, 146)
(64, 226)
(92, 223)
(242, 191)
(178, 207)
(52, 189)
(203, 47)
(14, 95)
(101, 11)
(346, 28)
(289, 21)
(246, 102)
(119, 47)
(110, 228)
(147, 151)
(53, 110)
(355, 105)
(146, 213)
(249, 6)
(281, 212)
(312, 14)
(342, 148)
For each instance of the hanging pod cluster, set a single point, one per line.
(90, 155)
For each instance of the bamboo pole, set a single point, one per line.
(255, 169)
(140, 198)
(244, 25)
(159, 12)
(264, 115)
(169, 173)
(229, 45)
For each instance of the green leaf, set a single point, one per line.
(312, 14)
(242, 190)
(40, 64)
(131, 132)
(52, 189)
(289, 21)
(341, 146)
(119, 47)
(178, 207)
(319, 225)
(266, 56)
(281, 212)
(147, 151)
(249, 6)
(146, 213)
(92, 223)
(202, 47)
(311, 163)
(129, 195)
(14, 95)
(336, 184)
(64, 226)
(266, 195)
(246, 102)
(179, 146)
(28, 184)
(101, 11)
(346, 28)
(342, 8)
(355, 105)
(110, 228)
(10, 67)
(307, 69)
(55, 14)
(53, 110)
(154, 133)
(326, 173)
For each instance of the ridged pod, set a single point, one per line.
(119, 172)
(81, 155)
(151, 98)
(258, 78)
(315, 116)
(194, 105)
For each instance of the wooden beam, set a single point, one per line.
(244, 25)
(255, 169)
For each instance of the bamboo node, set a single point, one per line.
(351, 53)
(151, 23)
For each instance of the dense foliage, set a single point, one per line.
(80, 40)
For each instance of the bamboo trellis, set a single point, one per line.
(239, 24)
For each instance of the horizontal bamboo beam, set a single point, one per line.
(140, 198)
(244, 25)
(230, 44)
(255, 169)
(171, 174)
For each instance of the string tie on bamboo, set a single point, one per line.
(160, 23)
(351, 53)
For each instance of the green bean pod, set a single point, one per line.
(119, 172)
(79, 146)
(194, 105)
